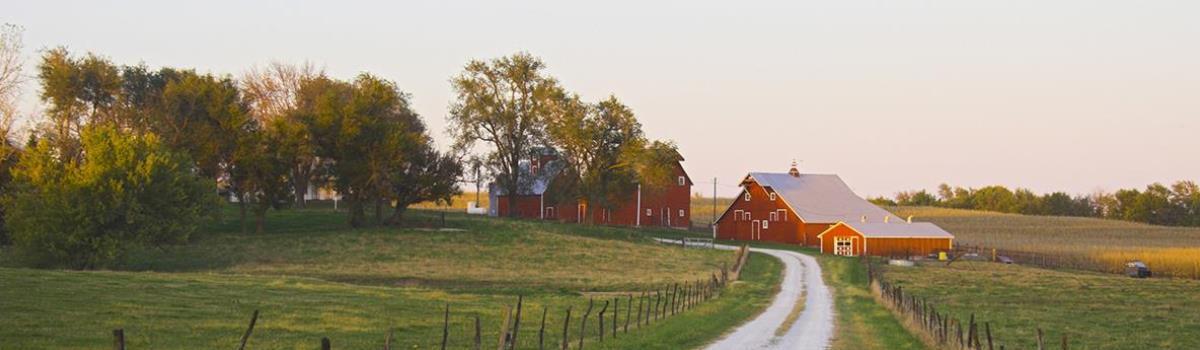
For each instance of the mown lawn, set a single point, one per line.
(1095, 311)
(311, 277)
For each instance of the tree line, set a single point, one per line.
(127, 155)
(1158, 204)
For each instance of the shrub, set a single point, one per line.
(126, 190)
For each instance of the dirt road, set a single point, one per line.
(812, 329)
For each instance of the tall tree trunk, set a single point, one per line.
(300, 182)
(260, 218)
(398, 214)
(379, 211)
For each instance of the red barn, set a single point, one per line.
(662, 207)
(795, 208)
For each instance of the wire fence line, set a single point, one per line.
(612, 315)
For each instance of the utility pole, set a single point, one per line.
(714, 201)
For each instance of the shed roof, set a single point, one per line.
(820, 198)
(900, 230)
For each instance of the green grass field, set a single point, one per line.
(1096, 311)
(310, 277)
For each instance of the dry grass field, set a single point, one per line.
(1173, 251)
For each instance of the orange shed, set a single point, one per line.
(903, 239)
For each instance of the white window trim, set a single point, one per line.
(737, 215)
(773, 196)
(774, 216)
(680, 212)
(764, 224)
(782, 214)
(746, 215)
(682, 181)
(649, 212)
(747, 196)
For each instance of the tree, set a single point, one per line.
(126, 190)
(916, 198)
(602, 146)
(261, 169)
(1185, 195)
(504, 103)
(203, 116)
(11, 66)
(272, 93)
(427, 176)
(79, 91)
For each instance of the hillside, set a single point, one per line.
(311, 277)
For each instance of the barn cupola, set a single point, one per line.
(794, 172)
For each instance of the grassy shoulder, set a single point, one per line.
(310, 277)
(1095, 311)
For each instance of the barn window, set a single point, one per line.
(746, 216)
(774, 216)
(782, 214)
(764, 223)
(680, 212)
(747, 196)
(682, 181)
(772, 196)
(737, 215)
(550, 212)
(649, 212)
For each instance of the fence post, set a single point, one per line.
(446, 327)
(583, 323)
(478, 334)
(245, 337)
(1064, 342)
(641, 300)
(542, 330)
(629, 312)
(616, 315)
(601, 320)
(988, 328)
(566, 338)
(118, 339)
(325, 345)
(1040, 343)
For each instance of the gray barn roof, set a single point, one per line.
(819, 198)
(900, 230)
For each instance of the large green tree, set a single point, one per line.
(126, 190)
(602, 146)
(504, 104)
(79, 91)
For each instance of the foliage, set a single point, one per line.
(272, 94)
(1177, 205)
(504, 103)
(126, 190)
(601, 145)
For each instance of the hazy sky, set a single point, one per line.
(891, 95)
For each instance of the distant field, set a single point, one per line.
(1168, 250)
(1096, 311)
(311, 277)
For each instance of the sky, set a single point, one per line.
(1064, 95)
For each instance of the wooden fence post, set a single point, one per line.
(1064, 342)
(628, 313)
(566, 338)
(478, 334)
(1040, 343)
(542, 330)
(583, 323)
(601, 320)
(616, 315)
(446, 327)
(988, 328)
(245, 337)
(325, 345)
(118, 339)
(641, 300)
